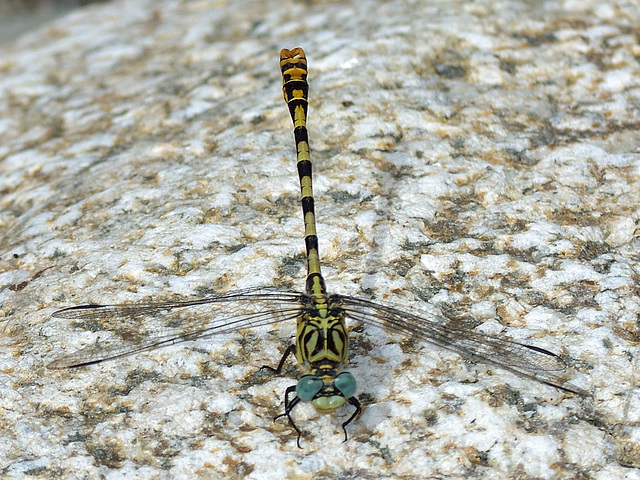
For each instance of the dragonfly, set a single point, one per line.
(322, 338)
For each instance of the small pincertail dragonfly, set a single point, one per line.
(322, 338)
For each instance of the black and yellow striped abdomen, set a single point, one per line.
(295, 90)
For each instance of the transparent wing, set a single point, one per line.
(147, 326)
(526, 360)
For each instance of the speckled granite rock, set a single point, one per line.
(479, 156)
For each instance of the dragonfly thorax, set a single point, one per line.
(322, 339)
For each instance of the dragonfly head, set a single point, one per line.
(326, 393)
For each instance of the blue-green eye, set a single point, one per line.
(308, 386)
(346, 384)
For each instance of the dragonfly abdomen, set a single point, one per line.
(295, 89)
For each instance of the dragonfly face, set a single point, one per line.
(328, 392)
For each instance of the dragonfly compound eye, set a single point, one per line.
(346, 384)
(308, 386)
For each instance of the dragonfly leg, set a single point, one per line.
(356, 403)
(291, 349)
(289, 405)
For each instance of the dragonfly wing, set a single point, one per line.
(527, 360)
(135, 310)
(141, 327)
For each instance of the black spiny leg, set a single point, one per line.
(289, 405)
(291, 349)
(356, 403)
